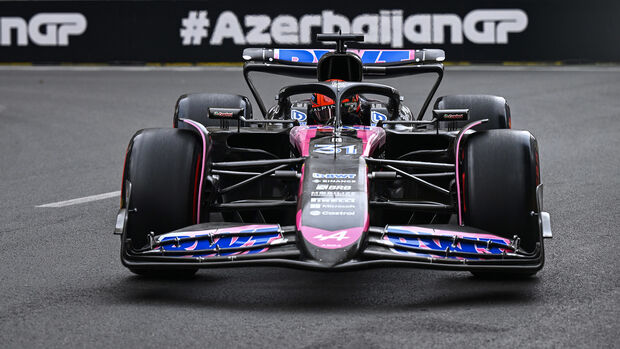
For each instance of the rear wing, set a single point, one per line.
(376, 64)
(368, 57)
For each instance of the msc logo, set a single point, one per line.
(43, 29)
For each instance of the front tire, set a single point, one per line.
(163, 167)
(500, 173)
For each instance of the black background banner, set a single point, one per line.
(151, 31)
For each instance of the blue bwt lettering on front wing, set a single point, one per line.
(437, 247)
(225, 242)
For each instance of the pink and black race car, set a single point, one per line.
(337, 175)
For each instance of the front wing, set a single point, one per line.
(450, 247)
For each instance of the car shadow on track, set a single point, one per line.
(274, 289)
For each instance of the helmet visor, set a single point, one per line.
(324, 114)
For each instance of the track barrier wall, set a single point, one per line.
(143, 32)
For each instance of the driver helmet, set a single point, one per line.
(323, 108)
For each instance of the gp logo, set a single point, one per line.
(43, 29)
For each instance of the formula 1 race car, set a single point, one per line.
(337, 175)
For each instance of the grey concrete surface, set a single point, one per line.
(63, 135)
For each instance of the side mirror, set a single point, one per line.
(451, 114)
(225, 113)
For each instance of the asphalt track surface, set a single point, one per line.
(63, 134)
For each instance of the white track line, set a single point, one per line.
(82, 200)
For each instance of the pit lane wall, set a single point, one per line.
(138, 32)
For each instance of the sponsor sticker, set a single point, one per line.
(333, 200)
(375, 117)
(338, 213)
(225, 113)
(332, 193)
(334, 175)
(299, 116)
(339, 236)
(332, 187)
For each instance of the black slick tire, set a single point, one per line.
(500, 173)
(163, 167)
